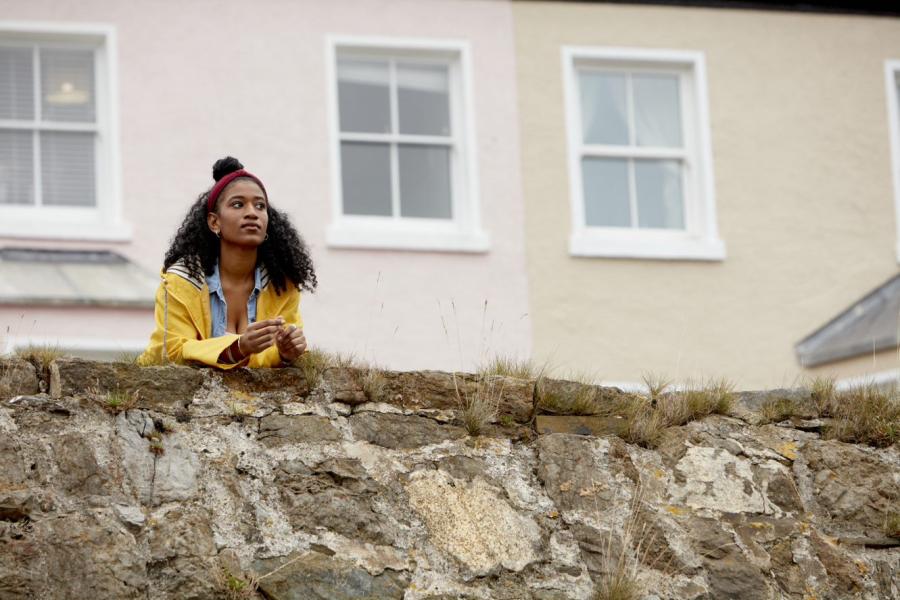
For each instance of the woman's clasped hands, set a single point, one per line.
(261, 335)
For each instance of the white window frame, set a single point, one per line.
(462, 233)
(103, 221)
(892, 80)
(700, 238)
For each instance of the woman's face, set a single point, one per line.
(241, 215)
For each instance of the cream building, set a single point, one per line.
(705, 187)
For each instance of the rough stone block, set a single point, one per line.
(79, 473)
(277, 429)
(399, 431)
(338, 495)
(473, 523)
(850, 484)
(158, 388)
(439, 390)
(580, 425)
(344, 385)
(17, 377)
(286, 380)
(156, 478)
(318, 576)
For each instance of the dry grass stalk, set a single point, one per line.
(6, 375)
(128, 358)
(508, 366)
(479, 408)
(347, 360)
(313, 363)
(644, 425)
(619, 586)
(581, 402)
(646, 419)
(822, 390)
(373, 383)
(244, 586)
(657, 385)
(619, 580)
(697, 402)
(775, 410)
(892, 524)
(863, 414)
(39, 355)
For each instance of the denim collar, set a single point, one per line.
(215, 282)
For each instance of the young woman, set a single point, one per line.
(230, 291)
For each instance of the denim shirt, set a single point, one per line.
(219, 308)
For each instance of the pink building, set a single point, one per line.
(388, 132)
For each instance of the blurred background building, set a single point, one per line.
(616, 188)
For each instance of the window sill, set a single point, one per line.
(406, 238)
(61, 226)
(663, 246)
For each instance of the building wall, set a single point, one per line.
(878, 366)
(800, 142)
(202, 79)
(91, 331)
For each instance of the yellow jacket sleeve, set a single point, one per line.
(291, 313)
(177, 335)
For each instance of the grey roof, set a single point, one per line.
(865, 7)
(73, 278)
(869, 325)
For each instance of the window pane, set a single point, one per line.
(67, 168)
(604, 115)
(67, 85)
(423, 99)
(16, 83)
(366, 178)
(659, 196)
(657, 110)
(606, 201)
(16, 167)
(364, 96)
(425, 182)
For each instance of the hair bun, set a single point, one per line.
(224, 166)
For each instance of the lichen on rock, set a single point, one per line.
(473, 523)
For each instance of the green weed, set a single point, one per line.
(118, 401)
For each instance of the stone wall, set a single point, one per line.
(173, 482)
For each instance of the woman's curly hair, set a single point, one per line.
(284, 253)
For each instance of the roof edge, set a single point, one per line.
(865, 7)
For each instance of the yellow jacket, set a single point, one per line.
(184, 325)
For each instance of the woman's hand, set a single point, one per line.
(259, 336)
(291, 343)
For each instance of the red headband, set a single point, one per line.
(220, 185)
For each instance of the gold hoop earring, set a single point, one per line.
(266, 238)
(218, 235)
